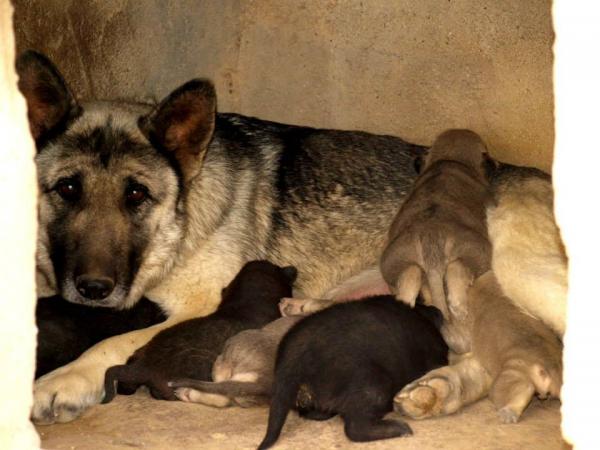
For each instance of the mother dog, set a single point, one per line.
(170, 200)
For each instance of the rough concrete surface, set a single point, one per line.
(141, 422)
(403, 67)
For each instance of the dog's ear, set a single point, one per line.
(50, 103)
(183, 124)
(291, 273)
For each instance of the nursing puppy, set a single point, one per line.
(66, 330)
(189, 349)
(350, 359)
(438, 241)
(528, 256)
(513, 356)
(243, 373)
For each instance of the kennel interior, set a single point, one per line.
(404, 67)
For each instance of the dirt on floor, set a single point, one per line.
(138, 421)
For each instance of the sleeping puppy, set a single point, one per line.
(514, 356)
(243, 373)
(350, 359)
(189, 349)
(66, 330)
(438, 240)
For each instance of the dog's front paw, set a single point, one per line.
(64, 394)
(423, 398)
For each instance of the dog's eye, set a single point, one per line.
(69, 189)
(136, 194)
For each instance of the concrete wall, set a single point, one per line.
(405, 67)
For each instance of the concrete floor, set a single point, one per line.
(140, 422)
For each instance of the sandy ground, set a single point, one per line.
(140, 422)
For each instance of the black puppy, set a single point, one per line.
(189, 349)
(350, 359)
(66, 330)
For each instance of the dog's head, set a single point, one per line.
(113, 179)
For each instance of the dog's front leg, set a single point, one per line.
(63, 394)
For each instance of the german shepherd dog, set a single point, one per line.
(170, 200)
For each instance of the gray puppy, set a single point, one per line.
(243, 373)
(438, 240)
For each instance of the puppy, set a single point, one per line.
(528, 256)
(189, 349)
(243, 373)
(514, 355)
(349, 359)
(66, 330)
(438, 240)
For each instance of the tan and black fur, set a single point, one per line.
(170, 200)
(438, 241)
(513, 356)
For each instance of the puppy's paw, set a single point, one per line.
(64, 394)
(508, 415)
(289, 306)
(423, 398)
(190, 395)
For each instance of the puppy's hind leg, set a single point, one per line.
(511, 393)
(289, 306)
(409, 283)
(458, 280)
(369, 401)
(445, 390)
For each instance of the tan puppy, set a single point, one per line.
(529, 258)
(438, 241)
(513, 356)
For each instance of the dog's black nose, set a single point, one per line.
(94, 288)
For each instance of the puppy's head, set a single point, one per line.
(464, 146)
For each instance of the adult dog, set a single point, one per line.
(170, 200)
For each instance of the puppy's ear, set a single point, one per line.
(183, 124)
(489, 166)
(419, 163)
(291, 273)
(50, 103)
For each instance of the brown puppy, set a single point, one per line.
(243, 373)
(190, 348)
(514, 355)
(438, 241)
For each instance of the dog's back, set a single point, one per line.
(189, 349)
(351, 359)
(528, 256)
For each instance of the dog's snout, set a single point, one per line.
(94, 288)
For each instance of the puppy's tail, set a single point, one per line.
(228, 388)
(284, 396)
(114, 374)
(438, 293)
